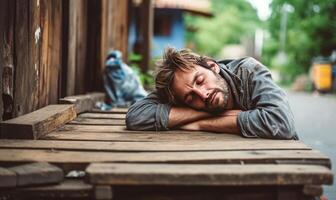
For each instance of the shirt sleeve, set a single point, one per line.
(148, 114)
(270, 116)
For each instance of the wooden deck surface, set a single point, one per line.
(98, 142)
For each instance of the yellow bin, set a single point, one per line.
(322, 76)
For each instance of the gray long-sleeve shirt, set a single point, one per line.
(265, 109)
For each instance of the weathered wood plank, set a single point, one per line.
(81, 46)
(122, 129)
(7, 177)
(67, 188)
(55, 49)
(102, 116)
(211, 157)
(25, 75)
(72, 47)
(153, 192)
(84, 102)
(313, 190)
(103, 192)
(113, 110)
(7, 12)
(35, 37)
(117, 25)
(138, 136)
(91, 128)
(106, 122)
(198, 174)
(37, 173)
(45, 54)
(155, 146)
(38, 123)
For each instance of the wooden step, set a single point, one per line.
(38, 123)
(198, 174)
(172, 146)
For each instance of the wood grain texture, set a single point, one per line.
(172, 146)
(35, 41)
(102, 115)
(85, 102)
(117, 23)
(313, 190)
(113, 110)
(24, 90)
(7, 12)
(170, 192)
(84, 157)
(72, 41)
(69, 188)
(7, 177)
(117, 133)
(38, 123)
(54, 49)
(103, 192)
(105, 122)
(81, 46)
(37, 173)
(197, 174)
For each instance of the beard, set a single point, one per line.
(224, 92)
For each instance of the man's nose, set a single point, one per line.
(203, 94)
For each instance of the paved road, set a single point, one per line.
(315, 117)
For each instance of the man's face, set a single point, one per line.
(201, 88)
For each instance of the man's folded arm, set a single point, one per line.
(271, 116)
(151, 114)
(225, 122)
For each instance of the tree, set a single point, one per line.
(310, 32)
(232, 21)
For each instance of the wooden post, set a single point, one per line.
(72, 38)
(25, 84)
(146, 32)
(7, 11)
(81, 46)
(117, 26)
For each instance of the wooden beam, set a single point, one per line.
(85, 121)
(146, 32)
(7, 177)
(72, 47)
(25, 84)
(8, 155)
(7, 12)
(38, 123)
(172, 146)
(313, 190)
(37, 173)
(85, 102)
(113, 110)
(198, 174)
(103, 192)
(102, 116)
(71, 188)
(178, 146)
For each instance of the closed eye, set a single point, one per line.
(199, 80)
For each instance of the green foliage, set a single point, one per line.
(310, 32)
(233, 20)
(146, 78)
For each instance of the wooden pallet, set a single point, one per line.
(123, 164)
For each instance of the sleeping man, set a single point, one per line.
(195, 92)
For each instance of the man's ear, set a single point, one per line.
(213, 66)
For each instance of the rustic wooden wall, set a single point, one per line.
(51, 49)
